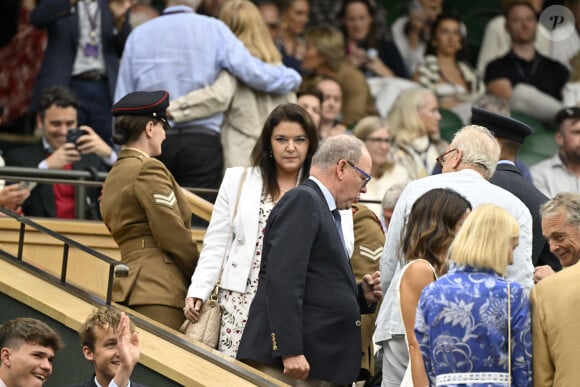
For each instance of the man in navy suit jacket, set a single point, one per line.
(57, 114)
(511, 134)
(304, 322)
(85, 41)
(110, 342)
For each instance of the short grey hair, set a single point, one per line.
(569, 201)
(392, 195)
(479, 148)
(337, 148)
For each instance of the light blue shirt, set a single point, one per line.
(345, 216)
(327, 195)
(477, 190)
(182, 51)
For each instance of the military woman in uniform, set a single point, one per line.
(147, 213)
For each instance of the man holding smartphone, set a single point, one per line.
(57, 117)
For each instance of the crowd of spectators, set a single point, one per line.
(252, 89)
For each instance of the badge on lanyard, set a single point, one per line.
(91, 49)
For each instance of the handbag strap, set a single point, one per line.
(242, 179)
(509, 327)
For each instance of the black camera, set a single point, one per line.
(72, 135)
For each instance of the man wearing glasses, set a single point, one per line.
(467, 165)
(304, 323)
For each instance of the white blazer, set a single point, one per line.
(245, 234)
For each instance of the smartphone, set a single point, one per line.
(29, 185)
(72, 135)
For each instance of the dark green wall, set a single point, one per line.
(70, 366)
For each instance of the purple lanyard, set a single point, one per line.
(92, 19)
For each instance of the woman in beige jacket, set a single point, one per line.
(245, 109)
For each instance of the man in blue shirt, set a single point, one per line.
(181, 51)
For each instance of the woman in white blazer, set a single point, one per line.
(280, 161)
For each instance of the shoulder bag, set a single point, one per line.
(207, 328)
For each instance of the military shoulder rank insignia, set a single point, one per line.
(165, 200)
(371, 254)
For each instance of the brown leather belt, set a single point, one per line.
(92, 76)
(135, 244)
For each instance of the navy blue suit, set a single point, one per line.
(60, 19)
(307, 300)
(509, 177)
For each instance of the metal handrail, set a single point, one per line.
(79, 178)
(115, 266)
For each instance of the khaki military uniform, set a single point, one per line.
(369, 241)
(149, 219)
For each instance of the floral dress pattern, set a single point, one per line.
(462, 330)
(236, 306)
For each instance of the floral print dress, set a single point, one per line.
(461, 327)
(236, 306)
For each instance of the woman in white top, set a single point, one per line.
(433, 221)
(280, 161)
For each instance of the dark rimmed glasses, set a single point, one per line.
(442, 159)
(365, 176)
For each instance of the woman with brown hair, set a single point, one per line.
(280, 161)
(433, 222)
(325, 57)
(147, 213)
(446, 71)
(294, 16)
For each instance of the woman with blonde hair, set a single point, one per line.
(385, 172)
(472, 325)
(245, 109)
(414, 123)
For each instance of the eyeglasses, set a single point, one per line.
(378, 140)
(442, 159)
(365, 176)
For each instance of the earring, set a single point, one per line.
(271, 155)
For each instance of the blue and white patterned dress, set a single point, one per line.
(461, 327)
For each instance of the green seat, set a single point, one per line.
(537, 125)
(449, 124)
(540, 145)
(537, 147)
